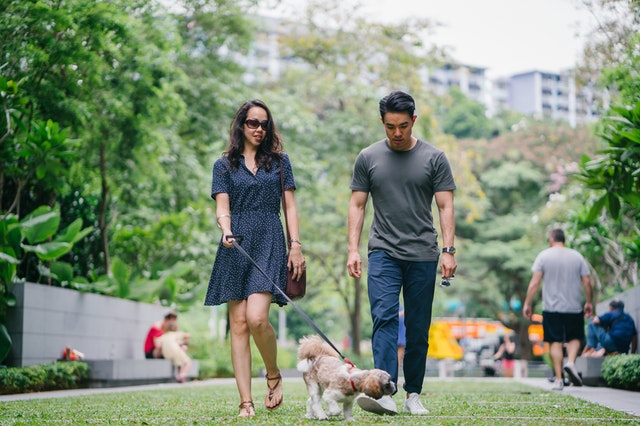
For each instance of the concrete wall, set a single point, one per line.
(46, 319)
(631, 299)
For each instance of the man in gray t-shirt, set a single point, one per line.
(403, 175)
(566, 274)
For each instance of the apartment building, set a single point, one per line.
(554, 95)
(471, 80)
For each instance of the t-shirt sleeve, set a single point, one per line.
(221, 179)
(584, 268)
(537, 264)
(287, 173)
(360, 178)
(443, 176)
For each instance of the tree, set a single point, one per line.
(520, 174)
(463, 117)
(138, 91)
(612, 214)
(616, 24)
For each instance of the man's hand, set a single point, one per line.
(448, 265)
(354, 265)
(526, 311)
(588, 310)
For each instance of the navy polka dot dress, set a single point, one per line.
(255, 214)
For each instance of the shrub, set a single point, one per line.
(47, 377)
(622, 371)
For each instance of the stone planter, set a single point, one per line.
(46, 319)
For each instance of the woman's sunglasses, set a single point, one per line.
(253, 124)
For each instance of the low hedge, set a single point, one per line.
(46, 377)
(622, 371)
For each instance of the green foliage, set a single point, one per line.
(214, 357)
(118, 76)
(615, 170)
(622, 371)
(48, 377)
(5, 342)
(609, 219)
(35, 154)
(40, 230)
(465, 118)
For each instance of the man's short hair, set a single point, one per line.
(397, 101)
(171, 315)
(617, 304)
(557, 235)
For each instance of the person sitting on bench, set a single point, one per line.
(611, 333)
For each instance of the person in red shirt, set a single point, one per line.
(152, 349)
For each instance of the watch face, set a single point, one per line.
(450, 250)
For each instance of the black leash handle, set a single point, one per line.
(237, 240)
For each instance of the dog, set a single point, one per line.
(330, 379)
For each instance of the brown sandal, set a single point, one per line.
(271, 395)
(246, 409)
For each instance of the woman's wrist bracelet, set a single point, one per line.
(295, 241)
(220, 217)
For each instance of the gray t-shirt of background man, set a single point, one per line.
(562, 271)
(402, 185)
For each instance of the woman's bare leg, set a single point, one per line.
(240, 347)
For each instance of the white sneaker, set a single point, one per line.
(413, 405)
(558, 385)
(384, 405)
(574, 377)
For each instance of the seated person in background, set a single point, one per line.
(612, 332)
(507, 351)
(152, 347)
(172, 342)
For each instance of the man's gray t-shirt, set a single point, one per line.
(562, 271)
(402, 185)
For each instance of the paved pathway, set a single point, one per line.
(616, 399)
(619, 400)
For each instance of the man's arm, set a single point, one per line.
(534, 285)
(357, 206)
(588, 306)
(444, 201)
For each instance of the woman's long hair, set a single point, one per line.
(270, 147)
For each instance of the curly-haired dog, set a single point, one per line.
(330, 379)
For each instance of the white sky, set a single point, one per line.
(504, 36)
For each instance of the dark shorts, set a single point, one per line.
(562, 327)
(149, 355)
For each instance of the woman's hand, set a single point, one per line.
(226, 241)
(296, 261)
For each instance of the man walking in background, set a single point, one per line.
(565, 274)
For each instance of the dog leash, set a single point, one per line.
(237, 239)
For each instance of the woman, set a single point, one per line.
(507, 351)
(247, 189)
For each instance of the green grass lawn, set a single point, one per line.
(457, 402)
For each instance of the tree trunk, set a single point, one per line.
(104, 202)
(356, 324)
(523, 340)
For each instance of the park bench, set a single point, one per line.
(129, 372)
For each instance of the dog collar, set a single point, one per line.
(353, 385)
